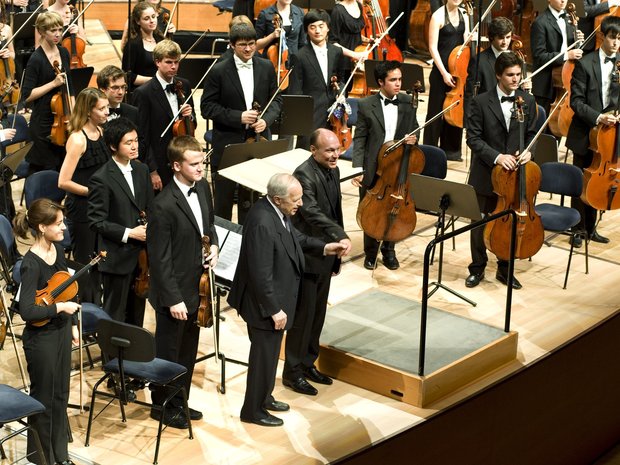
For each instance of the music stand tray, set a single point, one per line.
(296, 116)
(238, 153)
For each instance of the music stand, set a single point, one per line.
(295, 116)
(80, 78)
(18, 21)
(441, 196)
(410, 71)
(238, 153)
(327, 5)
(193, 69)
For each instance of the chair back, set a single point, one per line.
(435, 162)
(43, 184)
(137, 344)
(546, 149)
(354, 104)
(561, 178)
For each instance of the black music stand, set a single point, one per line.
(80, 78)
(327, 5)
(229, 238)
(441, 196)
(238, 153)
(18, 21)
(410, 71)
(193, 69)
(295, 116)
(8, 166)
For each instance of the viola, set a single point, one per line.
(61, 109)
(141, 281)
(277, 56)
(566, 113)
(338, 119)
(206, 291)
(516, 190)
(75, 45)
(62, 287)
(184, 126)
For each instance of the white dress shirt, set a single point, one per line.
(171, 96)
(390, 118)
(193, 202)
(126, 171)
(562, 25)
(606, 71)
(246, 76)
(321, 56)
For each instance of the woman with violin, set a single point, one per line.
(292, 18)
(86, 153)
(138, 60)
(120, 193)
(495, 141)
(67, 12)
(594, 97)
(447, 29)
(47, 347)
(41, 83)
(163, 21)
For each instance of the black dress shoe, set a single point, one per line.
(269, 421)
(576, 240)
(369, 263)
(315, 375)
(474, 279)
(391, 262)
(300, 385)
(172, 418)
(277, 406)
(66, 462)
(193, 414)
(596, 237)
(504, 280)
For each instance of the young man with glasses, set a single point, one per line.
(111, 81)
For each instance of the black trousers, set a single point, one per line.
(176, 341)
(479, 257)
(302, 340)
(48, 355)
(588, 214)
(262, 365)
(119, 299)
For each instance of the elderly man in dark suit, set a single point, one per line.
(157, 103)
(112, 81)
(594, 97)
(551, 33)
(319, 216)
(265, 288)
(315, 64)
(119, 192)
(493, 136)
(178, 219)
(230, 90)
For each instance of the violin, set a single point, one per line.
(600, 180)
(61, 109)
(62, 287)
(387, 211)
(206, 291)
(257, 136)
(141, 281)
(277, 56)
(75, 45)
(516, 190)
(184, 126)
(339, 118)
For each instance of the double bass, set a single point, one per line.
(516, 190)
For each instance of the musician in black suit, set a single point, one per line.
(229, 92)
(594, 8)
(315, 64)
(111, 80)
(178, 219)
(493, 136)
(319, 216)
(551, 34)
(265, 288)
(594, 96)
(120, 190)
(157, 103)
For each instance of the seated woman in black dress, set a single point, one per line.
(41, 83)
(48, 347)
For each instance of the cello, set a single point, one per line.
(375, 23)
(516, 190)
(61, 109)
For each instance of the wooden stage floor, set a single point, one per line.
(344, 418)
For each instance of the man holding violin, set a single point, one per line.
(493, 136)
(594, 97)
(158, 101)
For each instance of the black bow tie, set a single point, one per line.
(115, 111)
(192, 190)
(171, 88)
(508, 99)
(562, 15)
(608, 59)
(387, 102)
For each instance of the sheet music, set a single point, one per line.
(230, 245)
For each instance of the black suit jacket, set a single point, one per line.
(586, 24)
(486, 76)
(130, 112)
(307, 79)
(223, 101)
(487, 136)
(370, 131)
(154, 114)
(318, 216)
(174, 247)
(586, 100)
(112, 208)
(546, 42)
(271, 264)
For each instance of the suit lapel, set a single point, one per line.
(117, 176)
(596, 70)
(314, 62)
(377, 111)
(496, 108)
(286, 237)
(554, 24)
(332, 64)
(233, 75)
(184, 206)
(204, 206)
(160, 97)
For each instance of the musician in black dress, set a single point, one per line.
(448, 28)
(345, 30)
(48, 347)
(163, 21)
(41, 83)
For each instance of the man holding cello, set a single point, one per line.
(493, 136)
(594, 96)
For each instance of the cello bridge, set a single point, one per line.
(396, 196)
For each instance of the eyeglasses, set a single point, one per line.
(245, 44)
(117, 88)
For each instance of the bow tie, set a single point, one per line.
(192, 190)
(608, 59)
(562, 15)
(387, 102)
(115, 111)
(241, 65)
(170, 88)
(508, 99)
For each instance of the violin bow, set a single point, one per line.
(555, 57)
(475, 29)
(262, 113)
(19, 95)
(23, 26)
(369, 49)
(174, 9)
(216, 345)
(76, 19)
(10, 328)
(198, 40)
(81, 348)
